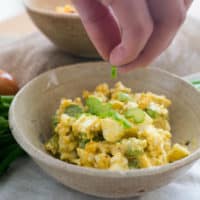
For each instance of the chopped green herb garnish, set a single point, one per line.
(103, 110)
(133, 163)
(153, 114)
(136, 114)
(96, 107)
(133, 153)
(114, 72)
(74, 110)
(55, 121)
(83, 142)
(196, 82)
(98, 138)
(124, 97)
(121, 119)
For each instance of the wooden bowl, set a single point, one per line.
(33, 107)
(64, 30)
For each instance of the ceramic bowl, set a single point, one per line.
(33, 107)
(64, 30)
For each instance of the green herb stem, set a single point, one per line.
(9, 158)
(114, 72)
(9, 149)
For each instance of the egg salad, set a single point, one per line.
(68, 8)
(114, 128)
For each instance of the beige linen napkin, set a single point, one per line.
(29, 56)
(34, 54)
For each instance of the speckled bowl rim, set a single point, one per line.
(43, 11)
(53, 162)
(192, 77)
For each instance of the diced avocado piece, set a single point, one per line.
(153, 114)
(124, 97)
(121, 119)
(136, 114)
(96, 107)
(74, 110)
(103, 110)
(133, 147)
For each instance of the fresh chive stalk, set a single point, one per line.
(114, 72)
(9, 149)
(196, 82)
(12, 155)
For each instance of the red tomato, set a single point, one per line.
(8, 85)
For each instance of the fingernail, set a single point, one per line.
(118, 56)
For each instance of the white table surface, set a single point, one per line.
(10, 8)
(194, 10)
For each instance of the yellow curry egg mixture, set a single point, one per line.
(68, 8)
(114, 129)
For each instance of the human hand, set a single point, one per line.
(131, 33)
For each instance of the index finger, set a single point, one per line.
(100, 25)
(136, 26)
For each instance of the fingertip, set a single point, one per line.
(116, 55)
(100, 26)
(120, 55)
(103, 54)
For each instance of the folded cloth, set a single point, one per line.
(183, 56)
(29, 56)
